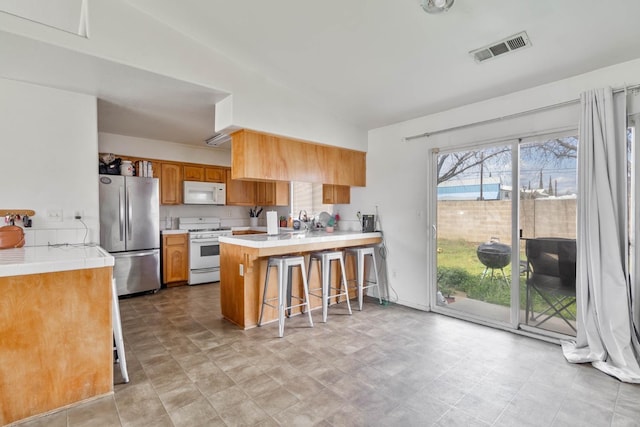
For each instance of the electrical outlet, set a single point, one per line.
(79, 214)
(54, 214)
(229, 213)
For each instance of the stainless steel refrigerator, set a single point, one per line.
(130, 231)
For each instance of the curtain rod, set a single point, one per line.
(509, 116)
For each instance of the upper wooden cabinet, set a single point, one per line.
(240, 193)
(259, 156)
(336, 194)
(272, 193)
(170, 184)
(215, 174)
(204, 173)
(193, 173)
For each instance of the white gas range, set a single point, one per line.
(204, 247)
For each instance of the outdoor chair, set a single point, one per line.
(551, 273)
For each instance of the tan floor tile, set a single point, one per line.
(385, 365)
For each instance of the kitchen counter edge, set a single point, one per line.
(288, 238)
(50, 259)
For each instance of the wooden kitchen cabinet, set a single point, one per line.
(204, 173)
(175, 259)
(240, 193)
(256, 155)
(170, 184)
(215, 174)
(193, 173)
(272, 193)
(336, 194)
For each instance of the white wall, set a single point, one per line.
(162, 150)
(49, 150)
(398, 173)
(120, 32)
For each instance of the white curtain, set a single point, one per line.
(606, 333)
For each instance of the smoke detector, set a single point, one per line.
(509, 44)
(217, 139)
(436, 6)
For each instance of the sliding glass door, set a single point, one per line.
(505, 225)
(548, 206)
(474, 232)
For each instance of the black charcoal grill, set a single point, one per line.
(494, 256)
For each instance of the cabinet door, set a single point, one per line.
(240, 193)
(193, 173)
(171, 184)
(272, 193)
(265, 193)
(336, 194)
(175, 258)
(214, 174)
(282, 193)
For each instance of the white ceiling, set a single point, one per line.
(387, 61)
(377, 61)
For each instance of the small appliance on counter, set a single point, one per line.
(272, 223)
(368, 223)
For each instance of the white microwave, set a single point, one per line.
(204, 193)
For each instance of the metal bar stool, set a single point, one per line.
(285, 264)
(324, 260)
(359, 254)
(117, 333)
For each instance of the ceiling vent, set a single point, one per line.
(517, 41)
(217, 140)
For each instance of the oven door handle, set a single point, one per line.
(205, 241)
(205, 270)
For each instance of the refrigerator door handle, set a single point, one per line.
(121, 209)
(129, 213)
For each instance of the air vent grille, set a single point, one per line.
(517, 41)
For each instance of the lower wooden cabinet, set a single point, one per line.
(175, 259)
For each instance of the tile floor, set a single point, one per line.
(384, 366)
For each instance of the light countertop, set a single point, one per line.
(294, 238)
(48, 259)
(174, 231)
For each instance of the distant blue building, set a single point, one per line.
(469, 189)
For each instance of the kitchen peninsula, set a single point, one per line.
(243, 263)
(56, 342)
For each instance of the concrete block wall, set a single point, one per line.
(479, 221)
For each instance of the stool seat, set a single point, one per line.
(359, 253)
(285, 264)
(324, 259)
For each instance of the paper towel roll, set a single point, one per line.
(272, 223)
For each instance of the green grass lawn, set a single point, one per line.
(460, 270)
